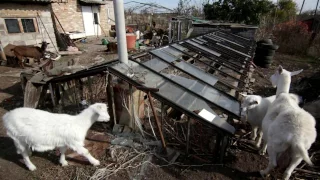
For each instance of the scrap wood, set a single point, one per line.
(307, 171)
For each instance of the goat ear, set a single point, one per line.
(244, 95)
(280, 69)
(296, 72)
(254, 102)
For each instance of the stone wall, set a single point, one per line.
(16, 10)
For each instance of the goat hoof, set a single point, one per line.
(262, 153)
(286, 176)
(95, 162)
(263, 174)
(64, 163)
(32, 167)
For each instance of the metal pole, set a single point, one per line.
(302, 7)
(121, 31)
(170, 31)
(179, 30)
(315, 11)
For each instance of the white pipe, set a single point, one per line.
(120, 30)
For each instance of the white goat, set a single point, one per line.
(253, 109)
(286, 126)
(43, 131)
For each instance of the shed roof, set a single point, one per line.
(187, 86)
(33, 1)
(93, 1)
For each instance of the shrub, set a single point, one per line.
(292, 37)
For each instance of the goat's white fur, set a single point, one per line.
(42, 131)
(253, 109)
(286, 125)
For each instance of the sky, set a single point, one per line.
(308, 5)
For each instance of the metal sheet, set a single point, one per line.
(246, 55)
(156, 64)
(208, 78)
(172, 51)
(197, 41)
(204, 48)
(171, 91)
(164, 55)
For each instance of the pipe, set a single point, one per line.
(121, 31)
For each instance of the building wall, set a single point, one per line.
(69, 14)
(107, 16)
(16, 10)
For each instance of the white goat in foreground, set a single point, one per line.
(253, 109)
(286, 125)
(43, 131)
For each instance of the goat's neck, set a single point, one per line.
(283, 85)
(86, 118)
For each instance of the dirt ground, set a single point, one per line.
(241, 162)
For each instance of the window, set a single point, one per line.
(21, 25)
(12, 25)
(95, 16)
(28, 25)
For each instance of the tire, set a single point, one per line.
(264, 52)
(269, 46)
(265, 41)
(263, 58)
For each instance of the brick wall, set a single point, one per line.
(16, 10)
(69, 15)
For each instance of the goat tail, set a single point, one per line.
(304, 153)
(296, 144)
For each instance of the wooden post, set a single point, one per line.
(157, 120)
(188, 134)
(110, 99)
(90, 89)
(52, 95)
(131, 106)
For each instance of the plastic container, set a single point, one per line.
(104, 41)
(131, 40)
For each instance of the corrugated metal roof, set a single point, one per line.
(93, 1)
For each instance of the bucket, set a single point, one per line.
(131, 40)
(104, 42)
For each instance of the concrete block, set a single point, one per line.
(16, 37)
(2, 27)
(45, 14)
(31, 42)
(28, 36)
(19, 43)
(2, 33)
(4, 38)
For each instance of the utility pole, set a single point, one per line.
(302, 6)
(315, 11)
